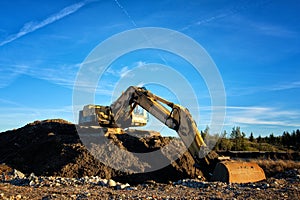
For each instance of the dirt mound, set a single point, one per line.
(53, 147)
(4, 169)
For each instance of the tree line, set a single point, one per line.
(237, 141)
(288, 140)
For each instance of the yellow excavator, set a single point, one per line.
(123, 114)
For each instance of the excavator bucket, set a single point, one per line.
(238, 172)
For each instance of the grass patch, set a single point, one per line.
(272, 167)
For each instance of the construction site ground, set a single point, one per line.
(47, 160)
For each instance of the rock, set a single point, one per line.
(32, 177)
(32, 183)
(123, 186)
(150, 182)
(131, 188)
(195, 183)
(111, 183)
(103, 182)
(18, 174)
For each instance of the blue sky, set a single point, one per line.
(255, 45)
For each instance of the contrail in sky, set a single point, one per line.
(126, 13)
(228, 13)
(133, 22)
(33, 26)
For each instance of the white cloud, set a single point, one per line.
(9, 114)
(262, 116)
(140, 84)
(8, 73)
(254, 116)
(118, 72)
(9, 102)
(273, 30)
(251, 109)
(242, 91)
(140, 64)
(124, 71)
(287, 86)
(255, 121)
(33, 26)
(60, 74)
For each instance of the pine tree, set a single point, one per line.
(272, 139)
(251, 138)
(259, 140)
(237, 137)
(205, 132)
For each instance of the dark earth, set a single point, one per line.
(53, 147)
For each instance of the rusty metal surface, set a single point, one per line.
(238, 172)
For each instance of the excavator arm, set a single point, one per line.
(172, 115)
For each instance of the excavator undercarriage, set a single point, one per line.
(123, 114)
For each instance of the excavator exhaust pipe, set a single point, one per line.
(238, 172)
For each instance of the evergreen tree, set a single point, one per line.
(293, 139)
(298, 139)
(259, 140)
(272, 139)
(251, 138)
(286, 138)
(237, 137)
(205, 132)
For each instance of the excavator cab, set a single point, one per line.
(139, 117)
(95, 114)
(102, 115)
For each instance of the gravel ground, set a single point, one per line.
(63, 169)
(16, 186)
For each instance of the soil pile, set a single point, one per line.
(53, 147)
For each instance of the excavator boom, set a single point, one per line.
(179, 119)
